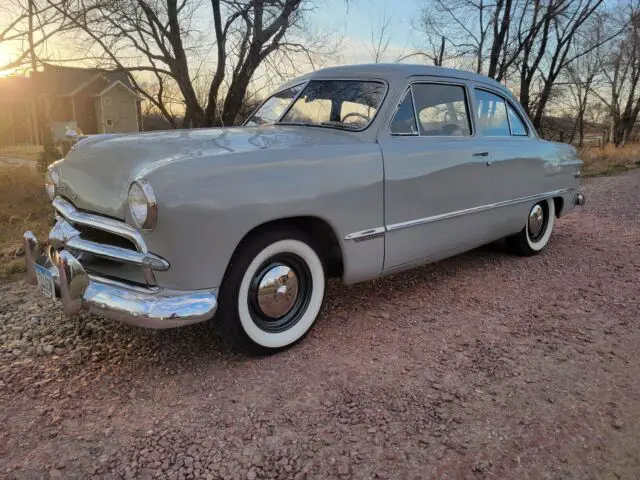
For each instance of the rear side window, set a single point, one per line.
(518, 127)
(442, 110)
(404, 121)
(492, 115)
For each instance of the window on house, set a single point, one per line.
(106, 100)
(109, 122)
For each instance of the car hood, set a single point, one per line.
(96, 174)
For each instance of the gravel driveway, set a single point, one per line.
(484, 365)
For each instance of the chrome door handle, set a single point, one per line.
(481, 154)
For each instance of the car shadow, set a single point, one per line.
(202, 341)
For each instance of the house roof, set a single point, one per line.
(115, 84)
(67, 81)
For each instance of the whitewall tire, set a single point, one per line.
(535, 235)
(273, 292)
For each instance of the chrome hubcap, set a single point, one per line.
(536, 221)
(280, 292)
(277, 291)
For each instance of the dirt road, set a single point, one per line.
(481, 366)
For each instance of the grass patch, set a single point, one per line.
(24, 152)
(24, 205)
(610, 160)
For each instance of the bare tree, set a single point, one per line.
(501, 22)
(463, 25)
(622, 73)
(380, 37)
(27, 27)
(532, 41)
(582, 75)
(567, 21)
(167, 39)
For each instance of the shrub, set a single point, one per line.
(50, 152)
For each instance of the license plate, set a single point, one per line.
(45, 281)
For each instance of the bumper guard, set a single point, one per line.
(140, 306)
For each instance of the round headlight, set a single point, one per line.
(142, 205)
(51, 180)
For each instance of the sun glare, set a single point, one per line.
(5, 58)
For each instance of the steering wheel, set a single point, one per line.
(355, 114)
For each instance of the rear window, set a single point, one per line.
(492, 114)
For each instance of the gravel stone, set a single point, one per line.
(485, 365)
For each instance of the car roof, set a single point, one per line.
(393, 73)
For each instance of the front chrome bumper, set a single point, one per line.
(140, 306)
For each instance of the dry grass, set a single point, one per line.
(24, 152)
(24, 205)
(598, 161)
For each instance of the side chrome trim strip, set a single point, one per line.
(117, 227)
(481, 208)
(366, 234)
(379, 231)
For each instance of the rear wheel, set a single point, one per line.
(537, 230)
(272, 293)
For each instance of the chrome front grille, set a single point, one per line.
(113, 242)
(99, 222)
(93, 234)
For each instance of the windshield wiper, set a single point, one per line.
(297, 124)
(339, 125)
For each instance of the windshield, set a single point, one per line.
(347, 104)
(271, 110)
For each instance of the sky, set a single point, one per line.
(353, 21)
(356, 19)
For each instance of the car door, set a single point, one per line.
(436, 174)
(516, 156)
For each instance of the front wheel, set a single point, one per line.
(272, 292)
(537, 229)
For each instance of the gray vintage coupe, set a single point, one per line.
(351, 172)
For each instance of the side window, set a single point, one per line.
(404, 121)
(518, 127)
(442, 110)
(492, 115)
(272, 109)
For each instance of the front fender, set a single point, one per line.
(207, 205)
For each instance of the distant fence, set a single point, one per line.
(598, 140)
(593, 140)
